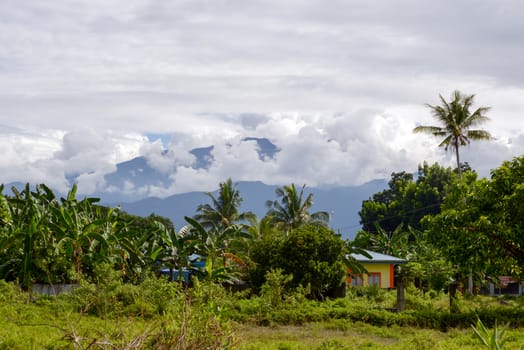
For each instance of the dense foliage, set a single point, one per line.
(407, 200)
(312, 255)
(481, 223)
(446, 226)
(44, 239)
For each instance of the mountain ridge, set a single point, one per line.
(134, 181)
(342, 203)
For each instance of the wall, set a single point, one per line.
(386, 274)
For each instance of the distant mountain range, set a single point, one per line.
(343, 203)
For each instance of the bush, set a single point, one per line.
(311, 254)
(10, 293)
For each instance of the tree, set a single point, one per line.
(456, 121)
(407, 200)
(293, 209)
(224, 209)
(461, 231)
(394, 243)
(385, 207)
(312, 254)
(481, 225)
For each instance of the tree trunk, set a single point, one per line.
(452, 289)
(458, 159)
(470, 282)
(400, 293)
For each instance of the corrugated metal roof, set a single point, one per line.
(378, 258)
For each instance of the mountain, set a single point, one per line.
(130, 187)
(133, 179)
(343, 203)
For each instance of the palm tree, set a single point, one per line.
(224, 209)
(456, 122)
(293, 210)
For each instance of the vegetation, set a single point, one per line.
(456, 121)
(407, 200)
(292, 211)
(155, 314)
(291, 266)
(480, 226)
(312, 256)
(224, 209)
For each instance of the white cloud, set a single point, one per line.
(338, 88)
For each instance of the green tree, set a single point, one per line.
(505, 209)
(463, 231)
(407, 200)
(293, 210)
(74, 225)
(312, 254)
(456, 120)
(395, 243)
(224, 209)
(144, 240)
(481, 225)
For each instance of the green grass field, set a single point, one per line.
(158, 315)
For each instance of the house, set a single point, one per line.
(380, 267)
(198, 263)
(506, 285)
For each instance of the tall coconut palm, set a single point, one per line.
(456, 121)
(224, 209)
(293, 209)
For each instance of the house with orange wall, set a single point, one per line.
(380, 267)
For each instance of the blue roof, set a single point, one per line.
(377, 258)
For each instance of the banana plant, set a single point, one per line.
(214, 244)
(75, 226)
(176, 250)
(28, 230)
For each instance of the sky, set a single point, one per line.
(337, 86)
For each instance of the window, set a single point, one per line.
(357, 281)
(374, 279)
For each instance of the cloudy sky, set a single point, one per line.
(338, 86)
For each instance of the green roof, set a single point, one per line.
(378, 258)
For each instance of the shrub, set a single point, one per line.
(311, 254)
(273, 290)
(10, 293)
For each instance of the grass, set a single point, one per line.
(156, 315)
(323, 335)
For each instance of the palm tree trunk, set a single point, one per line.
(458, 159)
(470, 276)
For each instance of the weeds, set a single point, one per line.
(107, 314)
